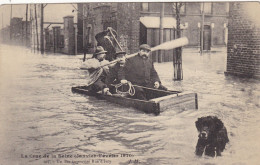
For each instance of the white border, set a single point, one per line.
(85, 1)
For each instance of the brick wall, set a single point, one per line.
(128, 26)
(218, 17)
(192, 15)
(243, 57)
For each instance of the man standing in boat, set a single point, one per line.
(140, 71)
(92, 65)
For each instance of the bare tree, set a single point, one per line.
(36, 26)
(177, 59)
(26, 26)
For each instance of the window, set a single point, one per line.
(183, 8)
(61, 41)
(145, 6)
(207, 7)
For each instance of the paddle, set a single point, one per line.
(94, 75)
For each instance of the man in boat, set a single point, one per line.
(140, 71)
(93, 65)
(116, 72)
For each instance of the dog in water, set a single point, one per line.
(212, 136)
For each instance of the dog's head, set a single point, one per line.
(208, 126)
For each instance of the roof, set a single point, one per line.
(154, 22)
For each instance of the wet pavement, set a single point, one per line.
(43, 122)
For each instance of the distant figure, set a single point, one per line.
(212, 136)
(92, 65)
(139, 70)
(116, 74)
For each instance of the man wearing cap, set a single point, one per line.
(92, 65)
(116, 72)
(139, 70)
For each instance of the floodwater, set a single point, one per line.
(43, 122)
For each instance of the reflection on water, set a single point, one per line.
(40, 115)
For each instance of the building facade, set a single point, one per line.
(17, 33)
(135, 22)
(243, 58)
(139, 22)
(58, 37)
(96, 17)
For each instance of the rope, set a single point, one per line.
(130, 91)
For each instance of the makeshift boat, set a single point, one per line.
(159, 101)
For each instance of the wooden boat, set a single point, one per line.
(159, 101)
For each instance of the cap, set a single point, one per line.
(145, 46)
(120, 52)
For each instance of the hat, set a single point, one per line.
(120, 52)
(145, 47)
(99, 50)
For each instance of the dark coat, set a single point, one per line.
(140, 71)
(115, 74)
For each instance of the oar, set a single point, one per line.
(93, 76)
(154, 89)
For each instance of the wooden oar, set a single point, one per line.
(164, 46)
(94, 74)
(154, 89)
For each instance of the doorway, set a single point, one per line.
(207, 37)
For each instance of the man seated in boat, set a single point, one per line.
(97, 82)
(116, 74)
(140, 71)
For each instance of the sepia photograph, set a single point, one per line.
(129, 82)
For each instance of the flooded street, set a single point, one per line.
(41, 116)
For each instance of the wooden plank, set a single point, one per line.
(180, 100)
(188, 105)
(160, 99)
(185, 100)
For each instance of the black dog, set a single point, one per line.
(212, 136)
